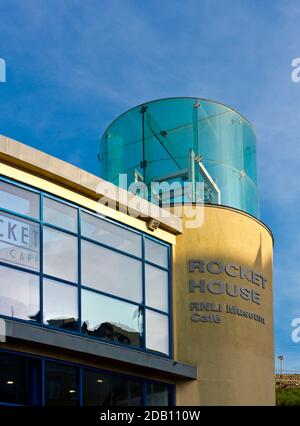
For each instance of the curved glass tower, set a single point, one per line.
(185, 140)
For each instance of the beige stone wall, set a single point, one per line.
(235, 356)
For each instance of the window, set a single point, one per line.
(101, 389)
(19, 380)
(60, 214)
(105, 232)
(35, 380)
(19, 294)
(60, 254)
(111, 319)
(158, 394)
(111, 272)
(61, 384)
(156, 253)
(157, 332)
(19, 241)
(19, 200)
(156, 288)
(60, 305)
(74, 270)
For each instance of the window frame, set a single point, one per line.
(42, 359)
(79, 284)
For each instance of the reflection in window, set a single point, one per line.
(111, 319)
(19, 294)
(112, 235)
(106, 390)
(60, 305)
(61, 384)
(157, 394)
(157, 332)
(156, 253)
(19, 200)
(60, 214)
(111, 272)
(19, 380)
(156, 288)
(19, 241)
(60, 254)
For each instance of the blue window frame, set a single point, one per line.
(61, 252)
(35, 380)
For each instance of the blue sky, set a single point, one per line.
(73, 66)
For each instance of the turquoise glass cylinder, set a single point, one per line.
(183, 139)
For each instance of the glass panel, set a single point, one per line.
(164, 132)
(60, 254)
(111, 272)
(111, 319)
(156, 253)
(157, 332)
(19, 380)
(61, 384)
(19, 294)
(112, 235)
(19, 241)
(157, 394)
(60, 305)
(156, 288)
(107, 390)
(19, 200)
(60, 214)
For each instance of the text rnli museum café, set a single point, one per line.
(101, 307)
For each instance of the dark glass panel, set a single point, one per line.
(107, 390)
(158, 394)
(61, 384)
(19, 380)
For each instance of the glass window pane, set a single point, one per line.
(60, 305)
(156, 288)
(157, 332)
(19, 294)
(158, 394)
(156, 253)
(19, 241)
(111, 272)
(61, 384)
(111, 319)
(107, 390)
(19, 200)
(19, 380)
(60, 254)
(112, 235)
(60, 214)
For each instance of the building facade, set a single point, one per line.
(108, 299)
